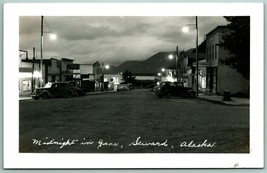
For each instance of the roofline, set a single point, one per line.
(86, 64)
(67, 59)
(217, 27)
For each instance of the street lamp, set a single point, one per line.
(170, 57)
(176, 62)
(186, 29)
(159, 77)
(53, 37)
(106, 66)
(103, 69)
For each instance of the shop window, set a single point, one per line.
(26, 85)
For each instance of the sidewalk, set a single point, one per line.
(236, 101)
(24, 98)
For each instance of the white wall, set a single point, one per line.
(229, 79)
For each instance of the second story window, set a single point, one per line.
(213, 52)
(216, 55)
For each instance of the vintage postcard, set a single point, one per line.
(133, 85)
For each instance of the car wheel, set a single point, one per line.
(160, 96)
(68, 94)
(168, 95)
(191, 94)
(44, 96)
(80, 93)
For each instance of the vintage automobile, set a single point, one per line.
(57, 90)
(122, 87)
(174, 89)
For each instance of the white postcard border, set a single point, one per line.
(14, 159)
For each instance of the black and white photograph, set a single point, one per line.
(135, 84)
(132, 84)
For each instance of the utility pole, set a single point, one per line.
(196, 57)
(33, 61)
(176, 61)
(42, 40)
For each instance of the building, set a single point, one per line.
(29, 74)
(90, 77)
(214, 77)
(66, 68)
(84, 77)
(29, 77)
(53, 70)
(220, 77)
(188, 66)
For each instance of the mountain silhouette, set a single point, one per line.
(155, 63)
(150, 66)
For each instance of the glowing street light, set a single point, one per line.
(163, 69)
(53, 36)
(106, 66)
(103, 68)
(185, 29)
(171, 56)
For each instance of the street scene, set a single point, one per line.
(135, 121)
(134, 84)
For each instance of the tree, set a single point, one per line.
(238, 44)
(128, 77)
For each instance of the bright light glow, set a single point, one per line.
(53, 36)
(107, 66)
(36, 74)
(105, 79)
(159, 74)
(170, 56)
(25, 75)
(170, 79)
(185, 29)
(163, 69)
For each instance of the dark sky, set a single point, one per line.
(111, 40)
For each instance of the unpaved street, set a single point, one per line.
(135, 121)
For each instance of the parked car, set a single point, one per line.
(122, 87)
(170, 89)
(57, 90)
(157, 87)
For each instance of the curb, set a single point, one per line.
(21, 100)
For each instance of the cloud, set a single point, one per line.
(111, 39)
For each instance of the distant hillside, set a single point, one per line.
(155, 63)
(121, 68)
(128, 65)
(150, 66)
